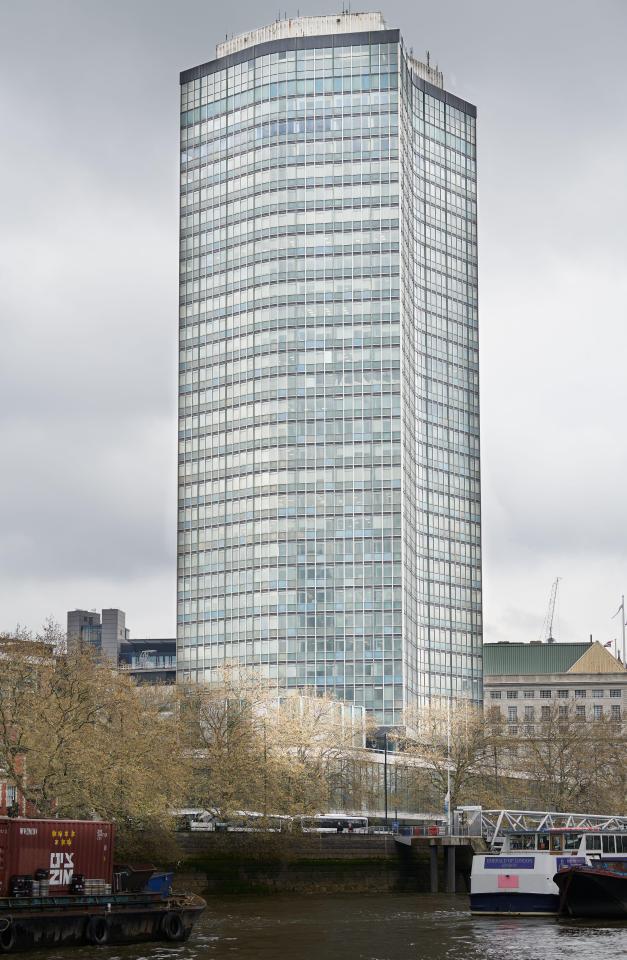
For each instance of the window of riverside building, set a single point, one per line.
(615, 712)
(597, 711)
(529, 694)
(546, 713)
(562, 713)
(580, 694)
(512, 714)
(495, 694)
(545, 694)
(529, 711)
(597, 694)
(562, 694)
(580, 713)
(616, 693)
(512, 694)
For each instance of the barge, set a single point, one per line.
(594, 892)
(59, 886)
(32, 922)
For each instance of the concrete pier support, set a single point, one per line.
(433, 865)
(449, 860)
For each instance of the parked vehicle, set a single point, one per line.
(242, 821)
(334, 823)
(184, 817)
(204, 821)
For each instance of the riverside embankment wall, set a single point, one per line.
(315, 863)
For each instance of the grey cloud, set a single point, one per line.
(88, 296)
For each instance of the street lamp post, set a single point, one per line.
(385, 776)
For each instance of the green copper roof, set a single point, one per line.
(528, 658)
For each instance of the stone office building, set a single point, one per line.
(528, 682)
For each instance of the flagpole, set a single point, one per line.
(621, 610)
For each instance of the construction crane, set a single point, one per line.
(547, 626)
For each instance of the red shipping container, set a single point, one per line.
(62, 847)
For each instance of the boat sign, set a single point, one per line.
(509, 863)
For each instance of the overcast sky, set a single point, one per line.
(88, 297)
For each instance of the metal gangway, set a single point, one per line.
(493, 824)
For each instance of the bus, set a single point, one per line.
(242, 821)
(247, 821)
(334, 823)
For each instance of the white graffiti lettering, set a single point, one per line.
(61, 869)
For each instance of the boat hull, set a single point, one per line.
(518, 884)
(593, 892)
(517, 904)
(97, 921)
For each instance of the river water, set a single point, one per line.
(352, 927)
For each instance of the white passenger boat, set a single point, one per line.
(517, 876)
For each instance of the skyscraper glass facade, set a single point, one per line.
(329, 528)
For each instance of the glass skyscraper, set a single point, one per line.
(329, 488)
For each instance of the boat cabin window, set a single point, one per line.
(572, 841)
(608, 845)
(522, 841)
(543, 842)
(556, 841)
(593, 843)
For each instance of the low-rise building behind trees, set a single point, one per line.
(527, 683)
(147, 660)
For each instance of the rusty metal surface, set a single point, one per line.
(61, 847)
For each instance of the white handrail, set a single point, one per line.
(494, 822)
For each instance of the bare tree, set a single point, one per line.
(572, 763)
(452, 741)
(226, 739)
(320, 743)
(79, 739)
(254, 749)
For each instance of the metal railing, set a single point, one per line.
(495, 822)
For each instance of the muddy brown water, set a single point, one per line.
(354, 927)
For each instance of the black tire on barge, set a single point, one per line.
(8, 937)
(97, 931)
(172, 926)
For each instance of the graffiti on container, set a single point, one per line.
(61, 869)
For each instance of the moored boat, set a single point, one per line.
(58, 886)
(29, 923)
(519, 877)
(593, 891)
